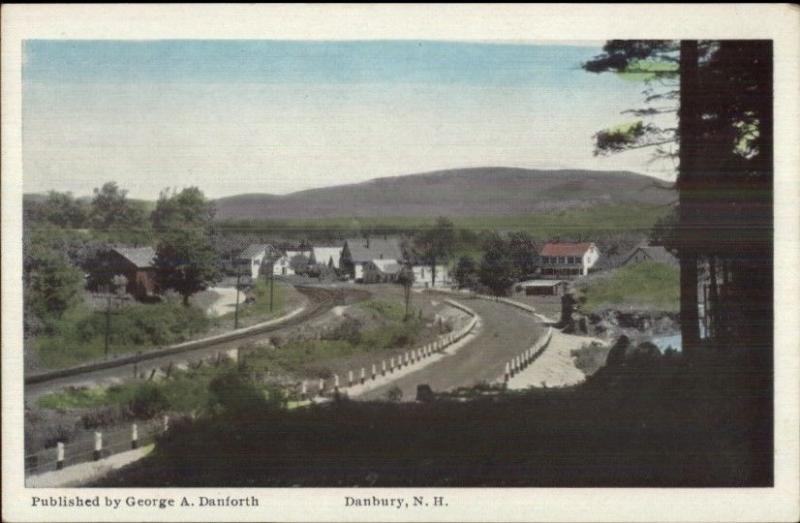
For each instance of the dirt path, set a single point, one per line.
(502, 333)
(555, 367)
(77, 475)
(224, 302)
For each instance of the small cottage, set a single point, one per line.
(541, 287)
(137, 265)
(255, 259)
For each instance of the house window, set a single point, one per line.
(561, 259)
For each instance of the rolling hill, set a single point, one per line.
(489, 191)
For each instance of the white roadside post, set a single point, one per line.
(166, 423)
(507, 374)
(134, 436)
(321, 387)
(349, 378)
(391, 364)
(303, 390)
(363, 375)
(59, 455)
(375, 370)
(98, 445)
(336, 383)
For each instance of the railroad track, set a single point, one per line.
(321, 300)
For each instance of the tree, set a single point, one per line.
(436, 244)
(51, 286)
(725, 173)
(466, 272)
(62, 210)
(523, 252)
(111, 211)
(406, 279)
(497, 270)
(186, 262)
(179, 210)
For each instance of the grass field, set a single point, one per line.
(643, 286)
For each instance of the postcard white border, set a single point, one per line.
(481, 22)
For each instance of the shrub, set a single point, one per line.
(99, 417)
(232, 393)
(394, 394)
(148, 401)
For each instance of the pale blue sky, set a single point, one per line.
(277, 116)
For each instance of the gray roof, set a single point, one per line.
(377, 250)
(255, 249)
(656, 253)
(387, 266)
(141, 257)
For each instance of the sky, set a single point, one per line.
(263, 116)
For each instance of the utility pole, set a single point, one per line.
(236, 311)
(271, 287)
(108, 324)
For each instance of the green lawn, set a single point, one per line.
(648, 285)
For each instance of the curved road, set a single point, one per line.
(320, 301)
(502, 333)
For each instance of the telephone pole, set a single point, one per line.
(108, 324)
(236, 311)
(271, 287)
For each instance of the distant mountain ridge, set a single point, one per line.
(483, 191)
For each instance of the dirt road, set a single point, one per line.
(503, 332)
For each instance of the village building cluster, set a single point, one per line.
(381, 260)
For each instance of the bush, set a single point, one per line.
(233, 393)
(100, 417)
(148, 401)
(349, 330)
(394, 394)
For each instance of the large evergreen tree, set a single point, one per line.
(721, 93)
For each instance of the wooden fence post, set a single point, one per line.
(98, 445)
(59, 455)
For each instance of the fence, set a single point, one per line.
(366, 376)
(97, 446)
(521, 361)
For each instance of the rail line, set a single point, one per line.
(321, 300)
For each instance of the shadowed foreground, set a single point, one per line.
(659, 423)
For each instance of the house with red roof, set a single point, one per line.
(565, 260)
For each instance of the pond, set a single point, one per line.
(665, 342)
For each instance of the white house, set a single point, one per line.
(255, 259)
(381, 271)
(567, 260)
(283, 264)
(328, 256)
(360, 251)
(422, 276)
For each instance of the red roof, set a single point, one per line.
(565, 249)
